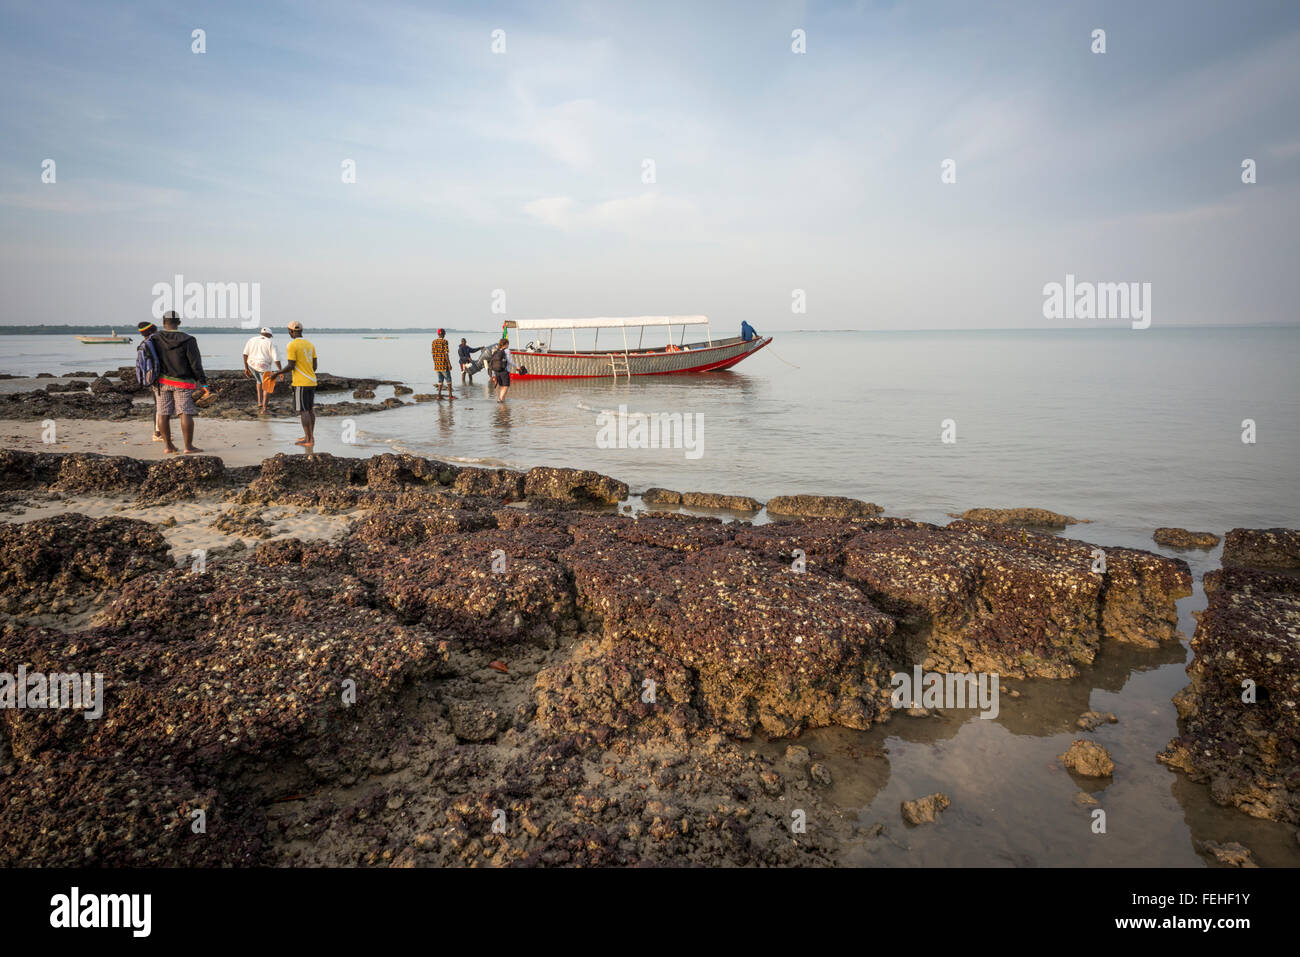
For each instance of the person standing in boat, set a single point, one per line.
(180, 377)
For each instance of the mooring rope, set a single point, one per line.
(773, 354)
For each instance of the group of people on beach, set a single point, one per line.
(494, 356)
(168, 362)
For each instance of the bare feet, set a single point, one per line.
(170, 450)
(157, 437)
(190, 451)
(303, 441)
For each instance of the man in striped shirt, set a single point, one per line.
(442, 363)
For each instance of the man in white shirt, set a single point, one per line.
(259, 357)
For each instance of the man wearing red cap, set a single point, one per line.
(442, 363)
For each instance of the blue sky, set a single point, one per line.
(522, 171)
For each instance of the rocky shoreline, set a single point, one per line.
(116, 395)
(1239, 722)
(493, 667)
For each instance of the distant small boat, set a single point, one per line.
(103, 340)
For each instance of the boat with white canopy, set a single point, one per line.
(548, 356)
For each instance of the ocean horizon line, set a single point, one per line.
(52, 329)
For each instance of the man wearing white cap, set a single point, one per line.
(259, 356)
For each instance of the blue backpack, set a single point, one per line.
(146, 363)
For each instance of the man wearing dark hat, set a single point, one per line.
(146, 358)
(181, 378)
(442, 362)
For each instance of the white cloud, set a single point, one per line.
(645, 215)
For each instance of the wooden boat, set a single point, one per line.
(103, 340)
(543, 361)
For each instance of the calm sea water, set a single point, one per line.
(1132, 429)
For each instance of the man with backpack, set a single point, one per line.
(500, 365)
(180, 376)
(147, 367)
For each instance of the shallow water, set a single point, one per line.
(1136, 428)
(1132, 429)
(1013, 803)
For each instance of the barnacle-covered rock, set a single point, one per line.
(454, 571)
(400, 471)
(976, 597)
(40, 404)
(1239, 727)
(769, 648)
(573, 486)
(182, 477)
(65, 563)
(495, 483)
(1262, 548)
(206, 677)
(19, 469)
(821, 506)
(732, 503)
(100, 473)
(1182, 538)
(314, 479)
(1032, 517)
(661, 496)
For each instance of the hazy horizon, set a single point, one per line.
(774, 171)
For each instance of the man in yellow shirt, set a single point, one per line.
(301, 356)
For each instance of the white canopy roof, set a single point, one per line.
(607, 323)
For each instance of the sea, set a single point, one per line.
(1129, 429)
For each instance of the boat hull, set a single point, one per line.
(700, 357)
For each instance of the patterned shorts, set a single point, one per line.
(174, 401)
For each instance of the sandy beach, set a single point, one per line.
(237, 443)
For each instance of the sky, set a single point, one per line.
(516, 178)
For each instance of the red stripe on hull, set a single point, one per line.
(708, 367)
